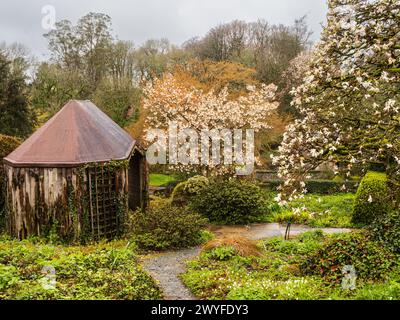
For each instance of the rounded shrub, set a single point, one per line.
(371, 199)
(187, 189)
(166, 226)
(230, 202)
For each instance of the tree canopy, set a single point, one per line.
(349, 101)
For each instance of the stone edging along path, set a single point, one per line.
(166, 267)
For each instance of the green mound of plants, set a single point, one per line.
(371, 200)
(386, 229)
(184, 191)
(165, 226)
(371, 260)
(230, 202)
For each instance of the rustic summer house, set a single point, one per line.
(77, 176)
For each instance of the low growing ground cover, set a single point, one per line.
(283, 271)
(101, 271)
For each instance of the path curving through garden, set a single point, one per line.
(166, 267)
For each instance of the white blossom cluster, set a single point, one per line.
(350, 97)
(167, 100)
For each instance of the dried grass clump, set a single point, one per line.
(243, 246)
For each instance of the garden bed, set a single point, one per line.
(278, 273)
(94, 272)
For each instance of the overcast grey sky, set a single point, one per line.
(138, 20)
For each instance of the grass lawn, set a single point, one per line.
(159, 180)
(317, 211)
(104, 271)
(276, 274)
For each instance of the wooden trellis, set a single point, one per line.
(103, 203)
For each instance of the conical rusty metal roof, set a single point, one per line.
(79, 133)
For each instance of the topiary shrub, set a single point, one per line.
(187, 189)
(166, 226)
(230, 202)
(371, 200)
(370, 260)
(7, 145)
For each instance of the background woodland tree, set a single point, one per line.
(16, 117)
(88, 61)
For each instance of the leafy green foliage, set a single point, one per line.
(230, 202)
(387, 230)
(100, 272)
(370, 259)
(16, 118)
(54, 86)
(165, 226)
(305, 244)
(7, 145)
(120, 100)
(221, 253)
(371, 200)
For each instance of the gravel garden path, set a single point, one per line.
(167, 266)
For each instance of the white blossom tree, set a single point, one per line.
(168, 100)
(349, 100)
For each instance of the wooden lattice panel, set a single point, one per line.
(103, 204)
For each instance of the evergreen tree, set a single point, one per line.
(16, 118)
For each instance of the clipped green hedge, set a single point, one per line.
(371, 200)
(318, 186)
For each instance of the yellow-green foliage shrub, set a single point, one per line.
(185, 190)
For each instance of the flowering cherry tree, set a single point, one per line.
(349, 100)
(169, 100)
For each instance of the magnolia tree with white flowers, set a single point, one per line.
(168, 101)
(349, 101)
